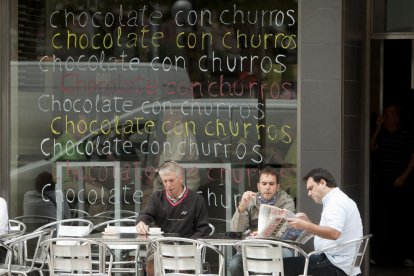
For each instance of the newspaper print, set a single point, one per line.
(273, 224)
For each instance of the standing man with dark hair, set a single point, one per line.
(247, 213)
(176, 209)
(392, 145)
(340, 222)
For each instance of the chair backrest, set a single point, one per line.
(70, 227)
(78, 258)
(360, 251)
(34, 222)
(264, 256)
(17, 226)
(355, 247)
(183, 255)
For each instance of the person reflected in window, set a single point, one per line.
(340, 222)
(246, 216)
(43, 200)
(176, 209)
(392, 145)
(95, 193)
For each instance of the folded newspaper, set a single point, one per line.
(273, 225)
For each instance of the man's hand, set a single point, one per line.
(300, 221)
(399, 181)
(379, 122)
(142, 228)
(247, 196)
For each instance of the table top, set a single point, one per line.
(218, 239)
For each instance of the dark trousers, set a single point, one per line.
(319, 265)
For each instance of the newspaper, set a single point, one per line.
(273, 224)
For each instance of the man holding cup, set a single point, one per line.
(247, 214)
(176, 209)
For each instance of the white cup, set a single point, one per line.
(155, 230)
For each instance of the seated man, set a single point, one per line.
(340, 222)
(247, 213)
(176, 209)
(70, 149)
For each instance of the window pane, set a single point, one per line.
(104, 92)
(393, 16)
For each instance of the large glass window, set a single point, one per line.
(103, 92)
(393, 16)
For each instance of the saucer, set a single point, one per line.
(110, 233)
(156, 234)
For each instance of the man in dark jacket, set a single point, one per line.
(176, 209)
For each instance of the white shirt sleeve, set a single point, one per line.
(4, 217)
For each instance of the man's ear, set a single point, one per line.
(323, 182)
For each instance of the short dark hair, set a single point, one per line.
(43, 179)
(318, 174)
(271, 171)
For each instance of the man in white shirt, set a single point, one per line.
(340, 222)
(4, 225)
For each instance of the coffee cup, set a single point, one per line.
(111, 230)
(155, 230)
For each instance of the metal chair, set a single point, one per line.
(129, 255)
(355, 248)
(262, 256)
(24, 255)
(183, 256)
(69, 228)
(77, 259)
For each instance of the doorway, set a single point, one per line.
(391, 84)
